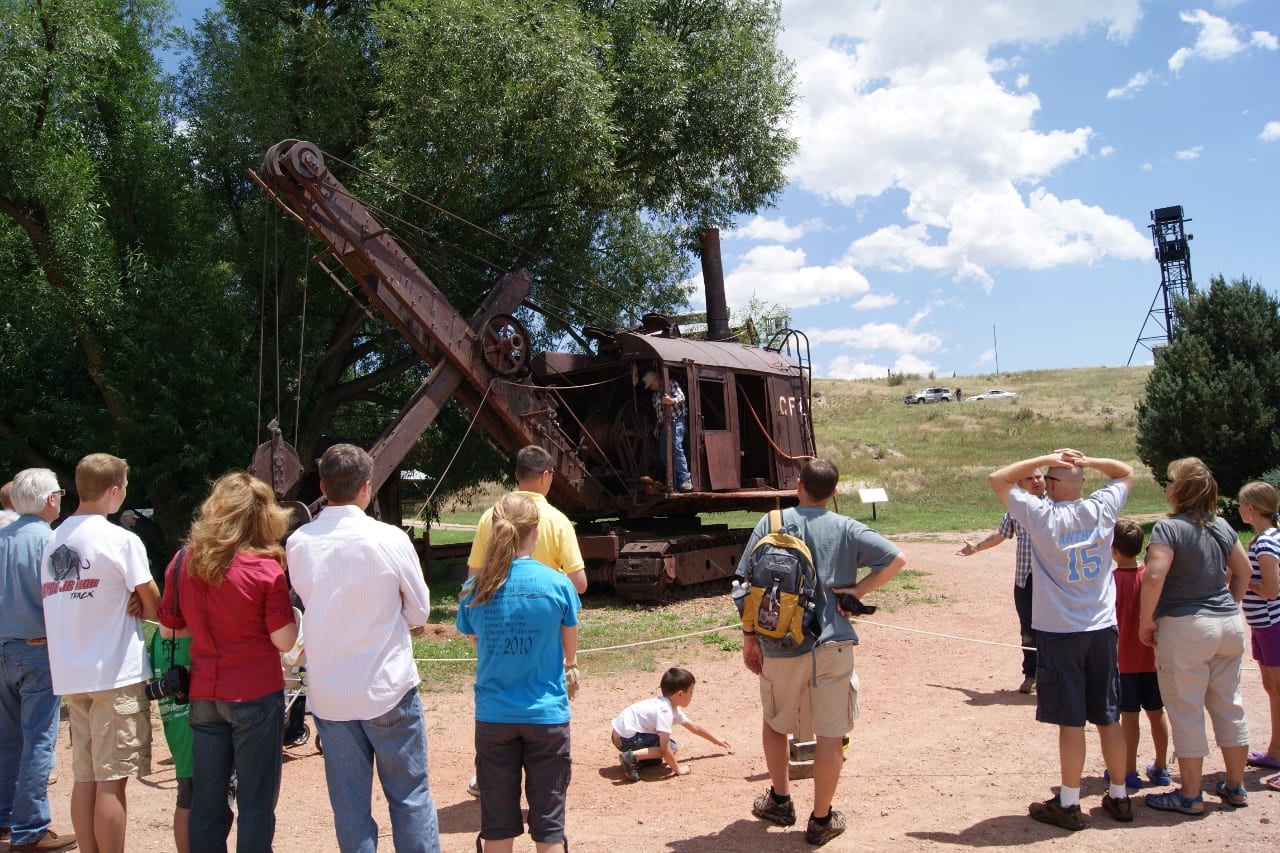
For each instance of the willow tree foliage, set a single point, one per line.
(122, 332)
(1215, 390)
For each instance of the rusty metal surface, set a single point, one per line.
(735, 356)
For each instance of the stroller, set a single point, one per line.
(294, 662)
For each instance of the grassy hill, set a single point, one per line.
(933, 459)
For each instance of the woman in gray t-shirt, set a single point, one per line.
(1196, 575)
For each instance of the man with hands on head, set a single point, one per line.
(1074, 615)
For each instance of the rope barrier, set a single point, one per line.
(735, 625)
(732, 625)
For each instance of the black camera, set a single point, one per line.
(850, 603)
(174, 683)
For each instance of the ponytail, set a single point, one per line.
(512, 519)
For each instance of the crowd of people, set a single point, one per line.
(1105, 637)
(1095, 608)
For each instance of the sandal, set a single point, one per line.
(1261, 759)
(1273, 783)
(1237, 797)
(1173, 801)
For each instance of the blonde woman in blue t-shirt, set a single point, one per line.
(522, 617)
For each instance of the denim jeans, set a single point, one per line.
(28, 735)
(1022, 603)
(246, 737)
(398, 742)
(679, 462)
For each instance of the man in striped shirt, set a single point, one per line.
(1009, 529)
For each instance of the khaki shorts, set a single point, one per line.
(788, 694)
(110, 734)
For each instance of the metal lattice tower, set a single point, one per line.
(1174, 256)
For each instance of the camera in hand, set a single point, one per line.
(850, 603)
(173, 683)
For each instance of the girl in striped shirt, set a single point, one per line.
(1259, 505)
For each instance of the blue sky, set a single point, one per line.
(968, 166)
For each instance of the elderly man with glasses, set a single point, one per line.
(1033, 483)
(28, 705)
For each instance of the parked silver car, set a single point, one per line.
(929, 395)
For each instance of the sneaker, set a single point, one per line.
(1158, 776)
(473, 787)
(1121, 810)
(1028, 685)
(629, 763)
(50, 842)
(767, 808)
(818, 835)
(1052, 812)
(686, 487)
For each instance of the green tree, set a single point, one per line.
(121, 332)
(1215, 390)
(585, 141)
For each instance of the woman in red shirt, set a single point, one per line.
(233, 597)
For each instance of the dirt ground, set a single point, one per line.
(947, 754)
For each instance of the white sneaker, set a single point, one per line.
(473, 788)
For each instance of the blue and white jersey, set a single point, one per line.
(1258, 611)
(1071, 557)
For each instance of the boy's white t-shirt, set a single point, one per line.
(90, 568)
(649, 716)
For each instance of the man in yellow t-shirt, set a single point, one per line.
(557, 542)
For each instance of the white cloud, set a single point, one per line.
(1270, 132)
(1003, 229)
(771, 230)
(846, 367)
(1147, 167)
(1023, 81)
(779, 275)
(1190, 153)
(873, 301)
(878, 336)
(1217, 40)
(1135, 85)
(1264, 40)
(902, 96)
(1106, 151)
(987, 356)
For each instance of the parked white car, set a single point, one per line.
(993, 394)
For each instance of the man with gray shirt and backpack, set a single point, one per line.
(818, 670)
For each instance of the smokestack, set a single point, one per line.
(713, 282)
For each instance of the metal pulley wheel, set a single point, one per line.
(504, 344)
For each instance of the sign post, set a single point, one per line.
(873, 496)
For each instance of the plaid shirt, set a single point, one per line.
(1022, 562)
(679, 411)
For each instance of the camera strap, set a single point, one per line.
(177, 608)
